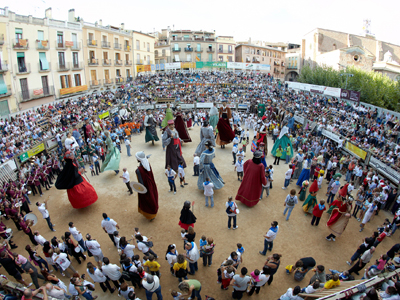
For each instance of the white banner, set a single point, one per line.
(228, 105)
(248, 66)
(299, 119)
(332, 136)
(51, 143)
(385, 170)
(170, 66)
(151, 106)
(204, 105)
(330, 91)
(186, 106)
(242, 106)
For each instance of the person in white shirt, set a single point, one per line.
(151, 283)
(208, 191)
(192, 255)
(239, 168)
(98, 276)
(270, 237)
(127, 180)
(42, 207)
(143, 244)
(70, 142)
(76, 235)
(171, 175)
(62, 260)
(39, 238)
(181, 174)
(94, 248)
(112, 272)
(128, 146)
(288, 176)
(109, 226)
(234, 152)
(196, 164)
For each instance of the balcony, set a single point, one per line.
(210, 50)
(20, 44)
(93, 62)
(3, 66)
(76, 46)
(120, 80)
(188, 49)
(7, 93)
(41, 70)
(118, 62)
(128, 63)
(105, 44)
(28, 95)
(230, 51)
(292, 67)
(91, 43)
(282, 64)
(108, 82)
(77, 65)
(42, 45)
(107, 62)
(1, 39)
(139, 61)
(94, 83)
(117, 46)
(198, 50)
(127, 48)
(176, 50)
(23, 69)
(208, 39)
(61, 45)
(62, 67)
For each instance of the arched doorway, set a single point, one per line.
(291, 76)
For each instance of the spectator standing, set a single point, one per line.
(152, 285)
(270, 237)
(127, 180)
(128, 146)
(76, 234)
(288, 176)
(208, 191)
(112, 272)
(109, 226)
(171, 175)
(232, 211)
(192, 255)
(290, 202)
(239, 283)
(42, 207)
(196, 164)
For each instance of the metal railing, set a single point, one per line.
(94, 83)
(118, 62)
(199, 50)
(120, 80)
(77, 65)
(117, 46)
(23, 69)
(21, 44)
(91, 43)
(139, 61)
(62, 67)
(27, 95)
(76, 46)
(128, 63)
(127, 48)
(105, 44)
(3, 66)
(41, 70)
(108, 82)
(107, 62)
(40, 46)
(60, 45)
(93, 62)
(188, 49)
(176, 49)
(7, 93)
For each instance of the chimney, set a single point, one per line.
(71, 15)
(122, 26)
(101, 22)
(48, 13)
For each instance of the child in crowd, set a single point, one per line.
(271, 175)
(153, 265)
(343, 276)
(239, 168)
(267, 185)
(290, 202)
(381, 237)
(227, 273)
(288, 175)
(317, 212)
(183, 233)
(332, 283)
(92, 170)
(136, 261)
(359, 203)
(312, 288)
(181, 174)
(171, 175)
(177, 296)
(208, 191)
(240, 249)
(386, 224)
(202, 244)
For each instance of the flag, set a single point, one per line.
(197, 58)
(38, 92)
(253, 146)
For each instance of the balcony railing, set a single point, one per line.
(119, 80)
(93, 62)
(282, 64)
(291, 67)
(108, 82)
(230, 51)
(60, 45)
(107, 62)
(76, 46)
(176, 49)
(127, 48)
(3, 66)
(7, 93)
(41, 69)
(95, 83)
(105, 44)
(92, 43)
(198, 50)
(1, 39)
(42, 45)
(118, 62)
(27, 95)
(21, 44)
(139, 61)
(210, 50)
(23, 69)
(77, 65)
(62, 67)
(117, 46)
(128, 63)
(188, 49)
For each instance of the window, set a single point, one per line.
(60, 39)
(117, 56)
(137, 45)
(4, 110)
(61, 60)
(75, 59)
(230, 58)
(45, 85)
(107, 76)
(230, 49)
(148, 59)
(198, 57)
(176, 47)
(65, 83)
(163, 52)
(144, 45)
(3, 86)
(44, 64)
(91, 54)
(210, 47)
(220, 48)
(75, 40)
(21, 62)
(198, 47)
(40, 35)
(220, 58)
(24, 88)
(118, 72)
(128, 73)
(138, 58)
(77, 78)
(188, 47)
(189, 57)
(91, 37)
(93, 75)
(18, 34)
(148, 47)
(104, 38)
(210, 57)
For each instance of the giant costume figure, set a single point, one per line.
(173, 154)
(225, 132)
(208, 170)
(180, 126)
(150, 124)
(206, 135)
(113, 156)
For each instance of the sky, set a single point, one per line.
(272, 21)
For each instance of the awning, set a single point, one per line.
(43, 60)
(20, 54)
(3, 87)
(18, 30)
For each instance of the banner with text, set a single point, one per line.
(350, 95)
(210, 64)
(172, 66)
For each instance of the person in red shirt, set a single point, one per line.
(381, 237)
(316, 172)
(317, 212)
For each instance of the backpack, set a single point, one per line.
(290, 202)
(181, 273)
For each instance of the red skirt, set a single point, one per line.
(82, 195)
(185, 226)
(225, 132)
(189, 123)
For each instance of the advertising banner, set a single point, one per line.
(318, 89)
(210, 64)
(204, 105)
(350, 95)
(104, 115)
(242, 106)
(172, 66)
(334, 92)
(332, 136)
(248, 66)
(186, 106)
(188, 65)
(385, 170)
(299, 119)
(357, 151)
(51, 143)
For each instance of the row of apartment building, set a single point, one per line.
(43, 59)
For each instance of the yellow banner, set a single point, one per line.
(74, 89)
(105, 115)
(356, 150)
(140, 69)
(188, 65)
(39, 148)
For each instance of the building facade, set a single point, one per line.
(143, 49)
(226, 48)
(248, 53)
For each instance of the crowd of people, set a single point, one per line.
(271, 110)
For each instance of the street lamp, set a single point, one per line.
(347, 76)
